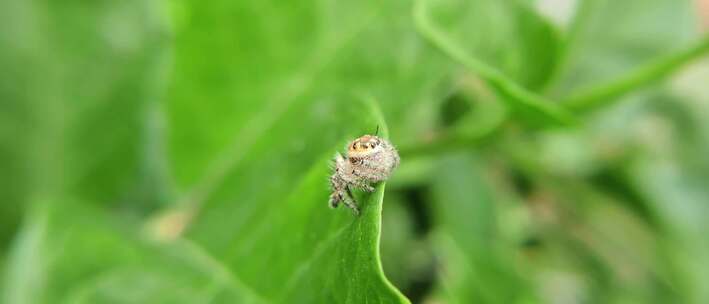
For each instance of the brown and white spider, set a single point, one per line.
(369, 159)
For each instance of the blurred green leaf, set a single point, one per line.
(478, 260)
(320, 245)
(397, 241)
(681, 202)
(633, 259)
(69, 252)
(670, 173)
(80, 81)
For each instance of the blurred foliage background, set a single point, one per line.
(553, 151)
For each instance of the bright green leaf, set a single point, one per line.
(285, 243)
(252, 129)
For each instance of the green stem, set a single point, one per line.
(609, 92)
(518, 97)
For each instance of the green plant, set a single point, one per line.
(178, 152)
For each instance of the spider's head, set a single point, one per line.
(363, 146)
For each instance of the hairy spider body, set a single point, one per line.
(369, 159)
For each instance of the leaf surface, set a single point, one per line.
(237, 143)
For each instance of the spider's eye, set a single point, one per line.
(364, 144)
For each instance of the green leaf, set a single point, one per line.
(71, 252)
(308, 252)
(397, 241)
(97, 262)
(80, 83)
(252, 129)
(307, 57)
(669, 174)
(680, 201)
(477, 255)
(253, 107)
(345, 254)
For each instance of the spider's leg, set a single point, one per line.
(335, 199)
(337, 185)
(369, 188)
(361, 182)
(350, 202)
(366, 187)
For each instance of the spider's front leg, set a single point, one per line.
(366, 187)
(341, 193)
(337, 186)
(335, 199)
(361, 182)
(350, 202)
(346, 198)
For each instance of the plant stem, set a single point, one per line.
(609, 92)
(518, 97)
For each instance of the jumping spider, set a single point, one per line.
(369, 159)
